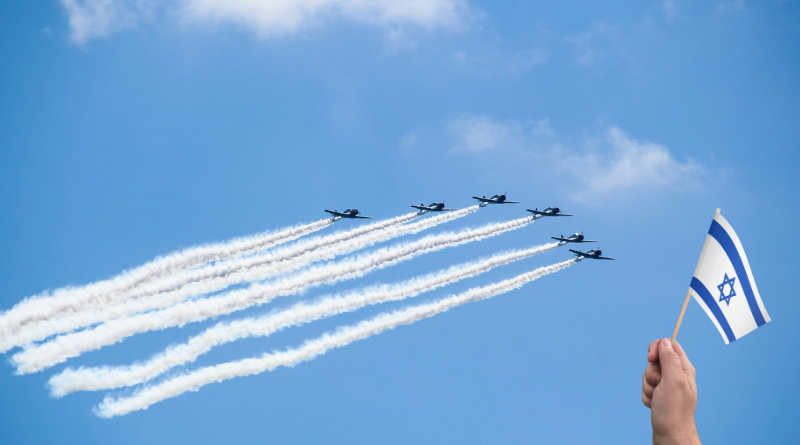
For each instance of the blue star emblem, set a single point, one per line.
(721, 287)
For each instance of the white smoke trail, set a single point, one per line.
(193, 381)
(92, 379)
(164, 293)
(37, 357)
(71, 299)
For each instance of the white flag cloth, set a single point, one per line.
(723, 283)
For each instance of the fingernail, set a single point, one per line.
(667, 343)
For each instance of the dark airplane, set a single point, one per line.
(593, 254)
(433, 207)
(574, 238)
(550, 211)
(496, 199)
(349, 213)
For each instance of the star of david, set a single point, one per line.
(721, 287)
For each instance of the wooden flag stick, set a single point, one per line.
(685, 303)
(680, 317)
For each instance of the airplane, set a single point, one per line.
(593, 254)
(550, 211)
(433, 207)
(496, 199)
(574, 238)
(349, 213)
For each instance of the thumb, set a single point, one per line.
(671, 366)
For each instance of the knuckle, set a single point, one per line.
(646, 400)
(652, 377)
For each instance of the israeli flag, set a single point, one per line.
(724, 286)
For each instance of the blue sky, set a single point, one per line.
(132, 129)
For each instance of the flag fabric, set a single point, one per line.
(724, 286)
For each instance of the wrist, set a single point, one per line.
(678, 436)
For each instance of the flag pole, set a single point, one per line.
(680, 317)
(685, 303)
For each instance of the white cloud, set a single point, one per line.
(589, 169)
(542, 128)
(90, 19)
(479, 134)
(671, 9)
(409, 142)
(591, 46)
(267, 18)
(287, 16)
(459, 57)
(525, 60)
(498, 59)
(626, 165)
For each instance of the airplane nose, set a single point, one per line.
(355, 211)
(502, 197)
(556, 210)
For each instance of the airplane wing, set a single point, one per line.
(561, 239)
(482, 199)
(334, 212)
(420, 207)
(508, 202)
(541, 213)
(362, 217)
(587, 241)
(582, 255)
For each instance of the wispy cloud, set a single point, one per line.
(525, 60)
(623, 165)
(501, 59)
(479, 133)
(596, 44)
(542, 128)
(670, 9)
(90, 19)
(601, 167)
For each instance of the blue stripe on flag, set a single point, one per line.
(726, 242)
(702, 291)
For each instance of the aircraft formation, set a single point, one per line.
(595, 254)
(196, 284)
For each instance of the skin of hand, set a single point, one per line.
(669, 390)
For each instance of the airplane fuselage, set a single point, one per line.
(433, 207)
(550, 211)
(495, 199)
(349, 214)
(595, 254)
(574, 238)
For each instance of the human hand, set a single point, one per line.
(669, 390)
